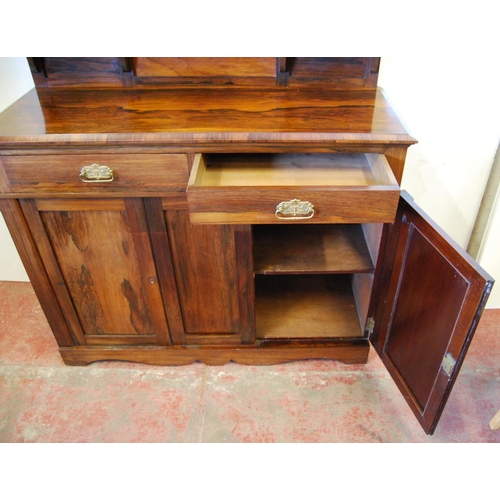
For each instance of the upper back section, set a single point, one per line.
(294, 72)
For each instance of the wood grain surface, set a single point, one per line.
(133, 173)
(305, 306)
(204, 259)
(204, 66)
(204, 117)
(431, 297)
(101, 265)
(267, 353)
(310, 249)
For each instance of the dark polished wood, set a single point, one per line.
(268, 353)
(318, 249)
(205, 266)
(290, 306)
(88, 72)
(247, 188)
(181, 257)
(35, 268)
(205, 71)
(434, 294)
(163, 258)
(78, 71)
(338, 72)
(60, 174)
(101, 266)
(251, 118)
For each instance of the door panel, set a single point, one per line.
(100, 262)
(213, 272)
(435, 295)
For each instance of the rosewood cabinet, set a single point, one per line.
(172, 210)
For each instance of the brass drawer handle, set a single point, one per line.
(96, 173)
(294, 209)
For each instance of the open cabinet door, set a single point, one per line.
(429, 297)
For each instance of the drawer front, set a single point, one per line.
(336, 189)
(262, 206)
(135, 174)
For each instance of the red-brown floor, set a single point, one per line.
(43, 400)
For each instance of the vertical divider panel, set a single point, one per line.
(140, 234)
(163, 257)
(246, 285)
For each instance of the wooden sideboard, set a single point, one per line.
(172, 210)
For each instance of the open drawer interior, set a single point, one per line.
(293, 169)
(247, 188)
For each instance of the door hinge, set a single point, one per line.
(370, 325)
(448, 364)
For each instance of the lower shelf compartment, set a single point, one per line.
(305, 307)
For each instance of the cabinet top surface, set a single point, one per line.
(197, 116)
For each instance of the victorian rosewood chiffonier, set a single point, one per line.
(173, 210)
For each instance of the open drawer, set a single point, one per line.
(292, 188)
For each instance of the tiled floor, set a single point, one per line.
(42, 400)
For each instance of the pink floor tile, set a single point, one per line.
(303, 406)
(43, 400)
(25, 336)
(59, 405)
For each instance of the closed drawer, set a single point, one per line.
(292, 188)
(125, 173)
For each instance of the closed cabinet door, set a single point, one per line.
(98, 257)
(207, 270)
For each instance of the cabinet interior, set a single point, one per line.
(313, 281)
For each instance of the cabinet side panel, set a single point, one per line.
(204, 259)
(4, 181)
(35, 269)
(396, 158)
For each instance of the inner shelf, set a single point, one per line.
(305, 306)
(310, 249)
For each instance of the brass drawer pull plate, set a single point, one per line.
(96, 173)
(294, 209)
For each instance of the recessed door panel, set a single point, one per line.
(435, 295)
(99, 259)
(212, 267)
